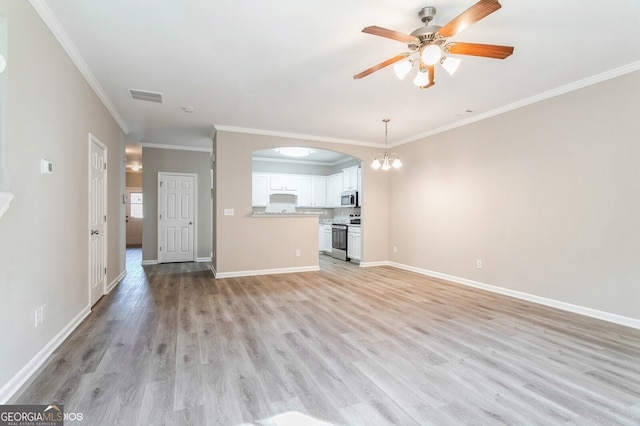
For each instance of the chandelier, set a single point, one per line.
(386, 161)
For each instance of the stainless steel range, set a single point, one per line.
(339, 241)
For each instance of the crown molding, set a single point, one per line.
(233, 129)
(579, 84)
(175, 147)
(307, 162)
(54, 25)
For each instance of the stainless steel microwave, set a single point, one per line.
(349, 199)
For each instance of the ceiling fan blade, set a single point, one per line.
(381, 65)
(477, 49)
(394, 35)
(470, 16)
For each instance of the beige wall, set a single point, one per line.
(134, 180)
(156, 160)
(44, 236)
(245, 243)
(547, 196)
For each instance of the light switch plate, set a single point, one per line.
(46, 166)
(229, 212)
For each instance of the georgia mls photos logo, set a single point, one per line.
(31, 415)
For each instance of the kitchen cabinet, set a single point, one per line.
(324, 238)
(354, 243)
(319, 187)
(312, 191)
(350, 178)
(260, 190)
(334, 189)
(284, 183)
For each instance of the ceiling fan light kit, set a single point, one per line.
(402, 68)
(450, 64)
(428, 45)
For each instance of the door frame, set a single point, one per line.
(195, 213)
(92, 140)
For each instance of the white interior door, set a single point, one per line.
(97, 219)
(176, 202)
(134, 217)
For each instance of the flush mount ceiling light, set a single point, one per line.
(386, 161)
(294, 151)
(428, 45)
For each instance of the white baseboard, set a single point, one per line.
(371, 264)
(155, 261)
(594, 313)
(34, 364)
(115, 282)
(254, 272)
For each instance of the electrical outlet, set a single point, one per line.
(298, 253)
(479, 264)
(395, 249)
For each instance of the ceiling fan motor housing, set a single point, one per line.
(426, 14)
(428, 33)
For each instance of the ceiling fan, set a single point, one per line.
(428, 44)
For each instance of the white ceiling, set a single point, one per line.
(286, 67)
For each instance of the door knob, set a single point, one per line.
(190, 223)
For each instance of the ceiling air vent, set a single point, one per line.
(144, 95)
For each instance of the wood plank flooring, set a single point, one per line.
(343, 346)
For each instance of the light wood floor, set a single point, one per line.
(347, 345)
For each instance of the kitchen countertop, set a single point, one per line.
(281, 214)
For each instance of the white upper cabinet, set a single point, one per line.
(312, 191)
(334, 189)
(260, 192)
(283, 182)
(350, 178)
(319, 187)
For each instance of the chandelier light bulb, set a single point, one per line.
(431, 54)
(402, 69)
(385, 164)
(394, 161)
(376, 163)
